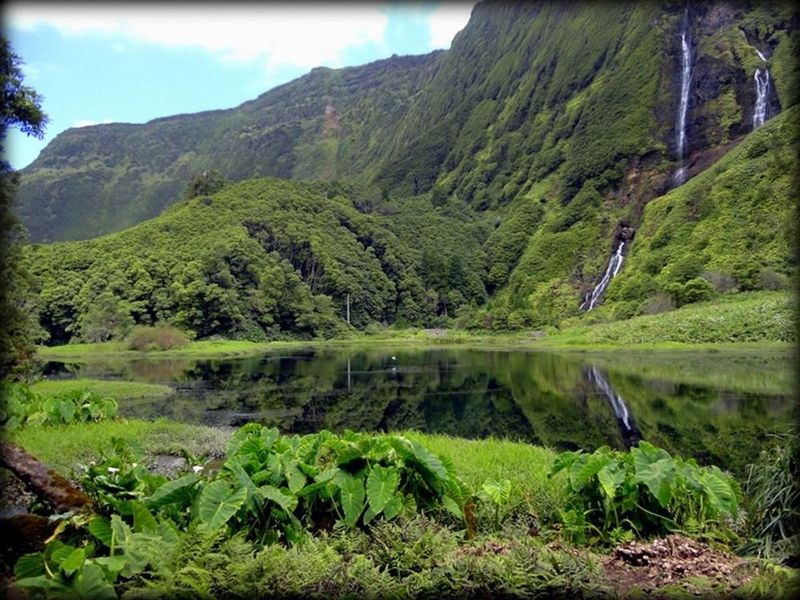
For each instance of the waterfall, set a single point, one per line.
(683, 108)
(613, 268)
(762, 94)
(630, 433)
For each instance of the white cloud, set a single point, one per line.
(305, 35)
(446, 21)
(89, 122)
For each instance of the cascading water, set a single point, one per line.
(630, 433)
(683, 107)
(613, 268)
(762, 94)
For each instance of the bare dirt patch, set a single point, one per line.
(675, 560)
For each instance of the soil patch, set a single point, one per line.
(675, 560)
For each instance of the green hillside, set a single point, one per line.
(263, 258)
(582, 92)
(484, 186)
(267, 257)
(328, 124)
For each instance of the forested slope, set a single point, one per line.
(489, 183)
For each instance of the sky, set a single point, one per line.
(130, 63)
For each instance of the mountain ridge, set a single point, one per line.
(491, 182)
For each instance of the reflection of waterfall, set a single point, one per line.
(630, 434)
(762, 94)
(613, 268)
(683, 108)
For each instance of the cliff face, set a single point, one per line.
(587, 91)
(494, 180)
(94, 180)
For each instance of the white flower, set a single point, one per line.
(113, 470)
(197, 468)
(134, 465)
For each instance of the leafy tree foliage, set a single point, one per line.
(21, 107)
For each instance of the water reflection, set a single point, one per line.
(628, 430)
(722, 411)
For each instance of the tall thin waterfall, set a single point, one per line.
(613, 268)
(630, 433)
(683, 108)
(762, 94)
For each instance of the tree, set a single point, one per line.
(108, 318)
(205, 184)
(21, 107)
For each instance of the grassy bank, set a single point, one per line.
(64, 446)
(755, 320)
(119, 390)
(526, 466)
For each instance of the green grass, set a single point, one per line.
(201, 349)
(477, 461)
(755, 320)
(526, 466)
(62, 447)
(119, 390)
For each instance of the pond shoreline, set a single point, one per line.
(239, 348)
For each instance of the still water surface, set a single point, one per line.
(718, 408)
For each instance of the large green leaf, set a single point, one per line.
(563, 461)
(143, 519)
(235, 467)
(382, 484)
(498, 492)
(285, 500)
(73, 562)
(218, 503)
(124, 539)
(611, 477)
(646, 453)
(393, 507)
(92, 584)
(29, 565)
(719, 492)
(659, 478)
(179, 491)
(294, 476)
(352, 496)
(452, 507)
(101, 529)
(584, 468)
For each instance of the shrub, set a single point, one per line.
(694, 290)
(722, 282)
(645, 490)
(23, 406)
(158, 337)
(658, 303)
(772, 280)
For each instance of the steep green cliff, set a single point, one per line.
(489, 183)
